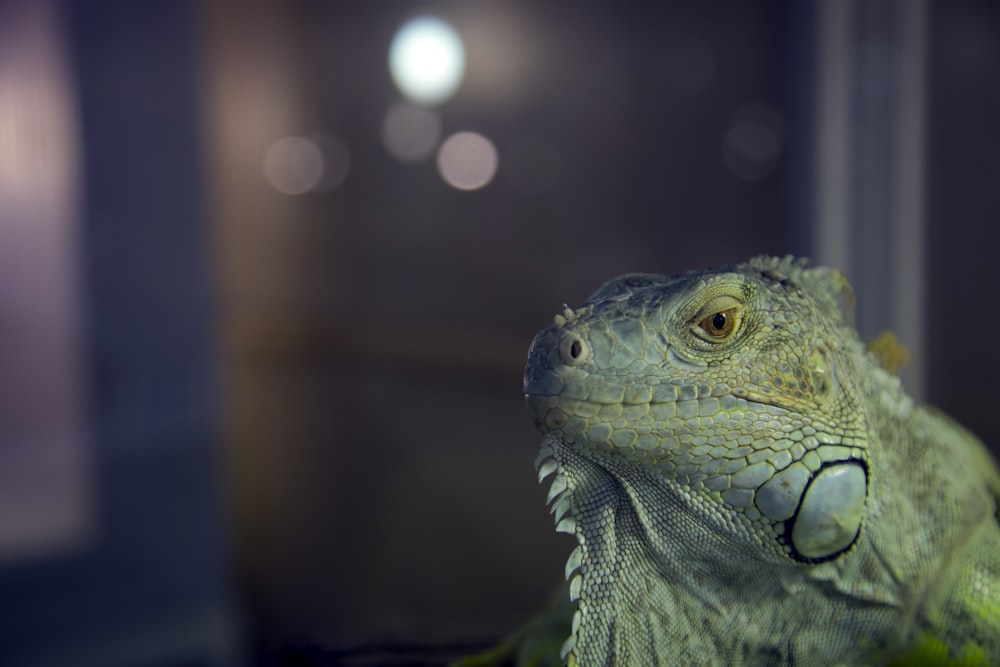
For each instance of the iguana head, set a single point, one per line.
(724, 385)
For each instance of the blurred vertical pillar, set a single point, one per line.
(46, 491)
(868, 163)
(253, 99)
(149, 585)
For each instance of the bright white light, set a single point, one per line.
(427, 60)
(410, 133)
(293, 165)
(467, 161)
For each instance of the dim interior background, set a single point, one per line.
(264, 304)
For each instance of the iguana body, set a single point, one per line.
(748, 486)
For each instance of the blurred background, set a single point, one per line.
(269, 272)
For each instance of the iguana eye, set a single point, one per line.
(720, 324)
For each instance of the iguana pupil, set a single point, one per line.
(720, 324)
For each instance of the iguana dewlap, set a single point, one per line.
(748, 486)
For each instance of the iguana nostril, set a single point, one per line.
(573, 349)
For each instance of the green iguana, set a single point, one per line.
(748, 486)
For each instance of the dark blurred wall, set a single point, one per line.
(376, 332)
(147, 584)
(964, 209)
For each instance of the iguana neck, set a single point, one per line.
(632, 603)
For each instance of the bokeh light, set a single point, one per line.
(531, 166)
(753, 142)
(293, 165)
(296, 165)
(467, 160)
(427, 60)
(410, 133)
(336, 162)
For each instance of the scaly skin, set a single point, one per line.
(748, 486)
